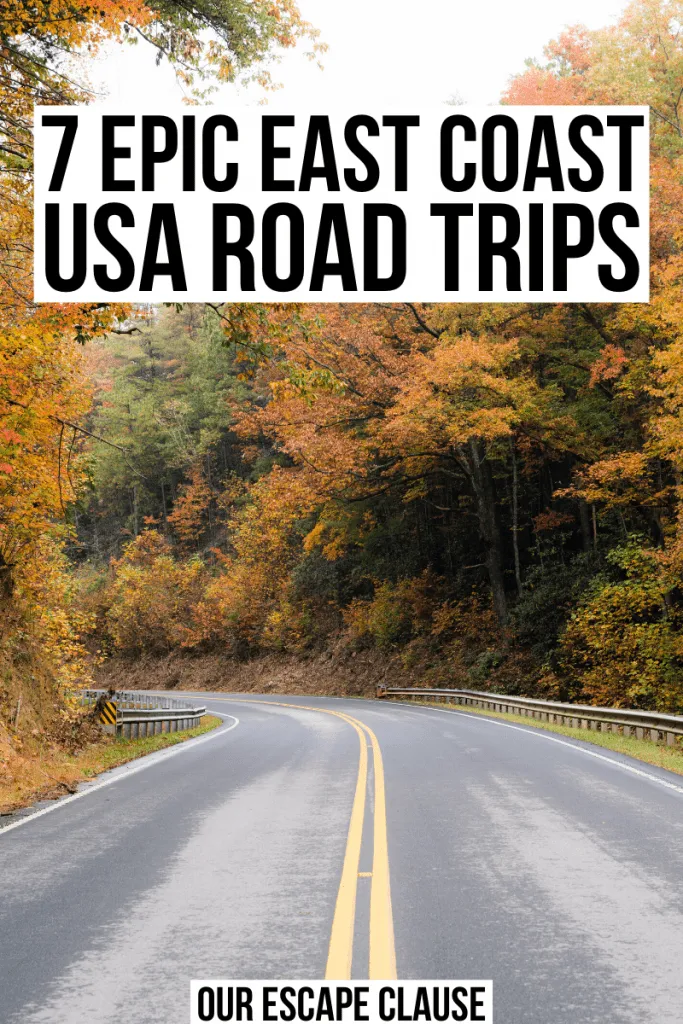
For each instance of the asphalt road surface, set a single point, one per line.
(312, 837)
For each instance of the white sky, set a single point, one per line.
(383, 51)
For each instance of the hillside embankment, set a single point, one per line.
(352, 674)
(49, 743)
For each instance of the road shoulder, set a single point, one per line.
(62, 774)
(656, 754)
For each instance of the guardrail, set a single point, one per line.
(642, 724)
(147, 714)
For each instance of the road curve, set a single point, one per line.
(323, 837)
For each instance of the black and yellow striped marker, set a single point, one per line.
(108, 713)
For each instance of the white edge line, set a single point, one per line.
(137, 765)
(542, 735)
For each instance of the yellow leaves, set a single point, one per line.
(666, 429)
(337, 529)
(287, 627)
(40, 620)
(398, 611)
(44, 391)
(623, 642)
(460, 389)
(629, 466)
(306, 382)
(152, 597)
(315, 538)
(617, 481)
(232, 495)
(239, 603)
(472, 388)
(42, 387)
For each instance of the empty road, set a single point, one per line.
(311, 837)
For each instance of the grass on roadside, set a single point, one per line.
(49, 774)
(102, 756)
(657, 754)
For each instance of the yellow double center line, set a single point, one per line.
(382, 963)
(382, 960)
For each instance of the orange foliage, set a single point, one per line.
(188, 517)
(152, 597)
(538, 86)
(551, 520)
(237, 603)
(609, 364)
(44, 391)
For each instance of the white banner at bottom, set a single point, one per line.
(336, 1002)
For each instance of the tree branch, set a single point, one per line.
(67, 423)
(423, 323)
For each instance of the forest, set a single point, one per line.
(471, 495)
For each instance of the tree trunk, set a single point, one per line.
(164, 510)
(515, 518)
(6, 579)
(585, 519)
(484, 490)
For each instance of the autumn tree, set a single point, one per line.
(45, 385)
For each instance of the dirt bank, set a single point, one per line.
(355, 674)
